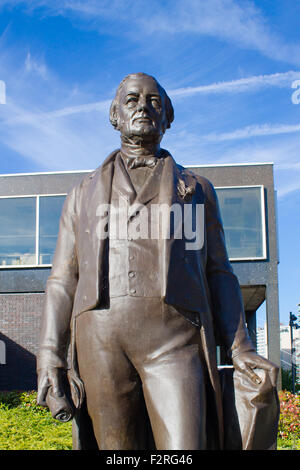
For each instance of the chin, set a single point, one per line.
(146, 131)
(150, 135)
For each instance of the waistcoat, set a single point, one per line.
(134, 266)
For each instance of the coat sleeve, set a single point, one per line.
(226, 297)
(60, 291)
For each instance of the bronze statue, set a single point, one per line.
(143, 314)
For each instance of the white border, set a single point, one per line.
(263, 221)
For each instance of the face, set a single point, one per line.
(141, 110)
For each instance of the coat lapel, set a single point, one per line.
(122, 182)
(97, 200)
(175, 186)
(99, 188)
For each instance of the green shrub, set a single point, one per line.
(25, 425)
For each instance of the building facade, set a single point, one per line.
(261, 341)
(30, 207)
(286, 356)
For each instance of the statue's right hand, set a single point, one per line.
(50, 378)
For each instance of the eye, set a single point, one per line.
(131, 101)
(156, 102)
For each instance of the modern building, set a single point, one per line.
(30, 207)
(286, 356)
(261, 341)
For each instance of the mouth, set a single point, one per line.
(142, 119)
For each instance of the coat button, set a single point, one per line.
(132, 291)
(131, 274)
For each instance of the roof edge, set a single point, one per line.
(89, 171)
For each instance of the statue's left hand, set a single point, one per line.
(247, 362)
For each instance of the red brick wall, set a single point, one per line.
(20, 318)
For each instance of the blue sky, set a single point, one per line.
(227, 65)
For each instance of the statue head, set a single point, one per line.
(141, 108)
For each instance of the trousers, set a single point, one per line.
(137, 358)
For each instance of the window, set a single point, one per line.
(242, 212)
(28, 229)
(50, 210)
(17, 231)
(29, 226)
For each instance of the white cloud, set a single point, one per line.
(190, 149)
(283, 153)
(289, 188)
(64, 143)
(241, 85)
(34, 66)
(254, 131)
(239, 22)
(82, 108)
(78, 136)
(43, 119)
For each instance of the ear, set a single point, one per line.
(169, 111)
(165, 122)
(113, 115)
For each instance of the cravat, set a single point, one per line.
(141, 161)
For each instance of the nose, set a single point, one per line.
(142, 104)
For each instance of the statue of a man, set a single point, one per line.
(141, 312)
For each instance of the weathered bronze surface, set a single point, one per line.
(143, 314)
